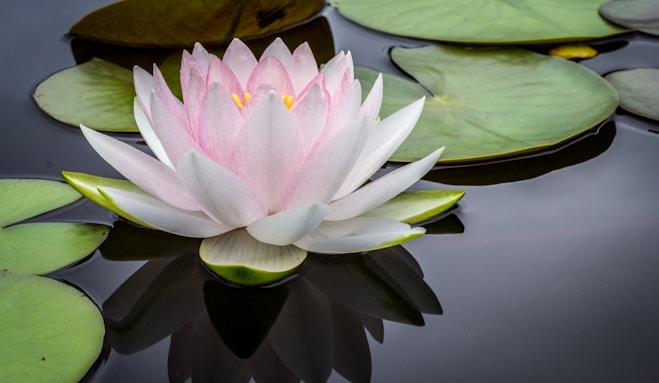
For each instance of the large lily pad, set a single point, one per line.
(495, 102)
(41, 247)
(97, 94)
(641, 15)
(638, 90)
(477, 21)
(179, 24)
(49, 332)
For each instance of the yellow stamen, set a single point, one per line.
(288, 101)
(238, 101)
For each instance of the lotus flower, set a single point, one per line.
(265, 159)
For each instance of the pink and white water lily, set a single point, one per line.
(265, 159)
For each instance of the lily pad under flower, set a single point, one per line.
(265, 159)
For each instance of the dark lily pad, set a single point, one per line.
(638, 90)
(49, 332)
(510, 21)
(161, 23)
(41, 247)
(492, 102)
(641, 15)
(97, 94)
(180, 24)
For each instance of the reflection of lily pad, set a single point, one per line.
(638, 90)
(175, 23)
(49, 332)
(518, 21)
(97, 94)
(641, 15)
(42, 247)
(487, 103)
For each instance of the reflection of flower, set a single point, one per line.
(274, 147)
(300, 329)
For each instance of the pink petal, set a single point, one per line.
(270, 73)
(221, 194)
(201, 55)
(337, 70)
(165, 94)
(220, 73)
(346, 110)
(241, 60)
(324, 172)
(143, 170)
(193, 93)
(219, 122)
(267, 149)
(175, 138)
(302, 67)
(278, 50)
(310, 113)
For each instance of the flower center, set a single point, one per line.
(288, 100)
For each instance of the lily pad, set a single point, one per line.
(180, 24)
(475, 21)
(97, 94)
(485, 103)
(638, 90)
(50, 332)
(641, 15)
(41, 247)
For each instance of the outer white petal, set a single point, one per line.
(221, 194)
(383, 189)
(385, 137)
(358, 234)
(143, 170)
(143, 87)
(163, 216)
(288, 226)
(148, 134)
(373, 102)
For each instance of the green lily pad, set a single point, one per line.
(416, 206)
(180, 24)
(474, 21)
(42, 247)
(491, 102)
(97, 94)
(638, 90)
(641, 15)
(49, 332)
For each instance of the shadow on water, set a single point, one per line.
(304, 327)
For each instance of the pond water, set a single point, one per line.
(546, 271)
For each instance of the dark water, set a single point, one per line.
(551, 272)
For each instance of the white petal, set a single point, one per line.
(143, 170)
(148, 134)
(163, 216)
(383, 189)
(143, 87)
(288, 226)
(221, 194)
(358, 234)
(385, 137)
(371, 106)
